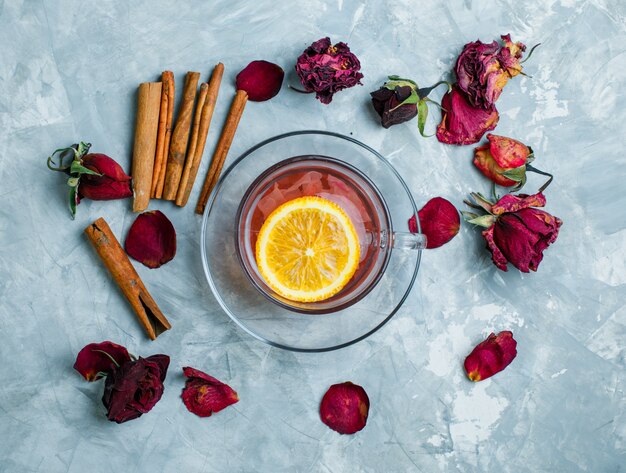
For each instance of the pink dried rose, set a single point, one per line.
(92, 176)
(134, 388)
(516, 232)
(483, 70)
(345, 407)
(503, 160)
(491, 356)
(99, 359)
(151, 239)
(326, 69)
(261, 80)
(462, 123)
(204, 395)
(439, 221)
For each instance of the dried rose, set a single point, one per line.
(134, 388)
(400, 100)
(516, 233)
(151, 239)
(326, 69)
(439, 221)
(491, 356)
(345, 408)
(99, 359)
(204, 395)
(463, 124)
(482, 70)
(93, 176)
(503, 160)
(261, 80)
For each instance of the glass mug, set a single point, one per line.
(343, 184)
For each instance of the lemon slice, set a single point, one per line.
(307, 249)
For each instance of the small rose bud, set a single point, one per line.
(204, 395)
(503, 160)
(112, 183)
(151, 239)
(439, 221)
(261, 80)
(345, 408)
(389, 105)
(491, 356)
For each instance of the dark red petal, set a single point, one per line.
(104, 165)
(496, 254)
(514, 203)
(103, 188)
(491, 356)
(345, 408)
(204, 395)
(97, 358)
(463, 124)
(439, 221)
(261, 80)
(516, 241)
(151, 239)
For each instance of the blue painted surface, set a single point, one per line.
(69, 71)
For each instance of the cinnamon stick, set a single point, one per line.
(180, 137)
(114, 258)
(222, 148)
(191, 166)
(171, 98)
(146, 127)
(165, 124)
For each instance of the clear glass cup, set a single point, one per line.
(385, 280)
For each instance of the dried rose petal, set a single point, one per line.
(204, 395)
(151, 239)
(134, 388)
(114, 183)
(439, 221)
(261, 80)
(463, 124)
(491, 356)
(98, 359)
(345, 407)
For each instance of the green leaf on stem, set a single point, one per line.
(78, 168)
(422, 115)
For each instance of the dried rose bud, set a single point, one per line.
(463, 124)
(261, 80)
(134, 388)
(503, 160)
(326, 69)
(93, 176)
(482, 70)
(99, 359)
(515, 232)
(204, 395)
(345, 407)
(491, 356)
(439, 221)
(389, 105)
(151, 239)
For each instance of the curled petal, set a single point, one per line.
(496, 255)
(261, 80)
(484, 161)
(98, 359)
(151, 239)
(439, 221)
(513, 203)
(507, 152)
(345, 408)
(462, 123)
(204, 395)
(491, 356)
(510, 54)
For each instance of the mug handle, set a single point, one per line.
(408, 241)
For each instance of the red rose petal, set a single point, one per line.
(463, 124)
(96, 359)
(514, 203)
(439, 221)
(151, 239)
(345, 408)
(491, 356)
(261, 80)
(204, 395)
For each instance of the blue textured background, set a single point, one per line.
(69, 71)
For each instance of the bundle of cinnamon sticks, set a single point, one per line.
(167, 154)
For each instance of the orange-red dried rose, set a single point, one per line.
(99, 359)
(345, 408)
(439, 221)
(204, 395)
(491, 356)
(503, 160)
(151, 239)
